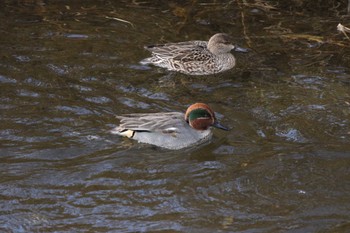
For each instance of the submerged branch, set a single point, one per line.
(120, 20)
(318, 39)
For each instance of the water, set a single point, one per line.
(67, 69)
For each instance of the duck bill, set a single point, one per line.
(240, 49)
(220, 126)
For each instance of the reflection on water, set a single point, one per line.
(67, 69)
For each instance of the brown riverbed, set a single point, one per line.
(68, 67)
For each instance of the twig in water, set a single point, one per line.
(120, 20)
(240, 5)
(344, 30)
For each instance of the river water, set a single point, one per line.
(68, 67)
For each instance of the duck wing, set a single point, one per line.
(166, 122)
(177, 50)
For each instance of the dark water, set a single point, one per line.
(68, 67)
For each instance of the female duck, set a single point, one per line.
(195, 57)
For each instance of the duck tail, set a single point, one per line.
(146, 61)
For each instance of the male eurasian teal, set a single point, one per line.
(171, 130)
(195, 57)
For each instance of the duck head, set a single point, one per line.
(200, 117)
(221, 43)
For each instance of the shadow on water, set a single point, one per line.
(67, 68)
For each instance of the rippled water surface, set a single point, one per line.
(68, 67)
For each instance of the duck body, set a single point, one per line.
(170, 130)
(194, 57)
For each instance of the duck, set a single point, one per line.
(170, 130)
(195, 57)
